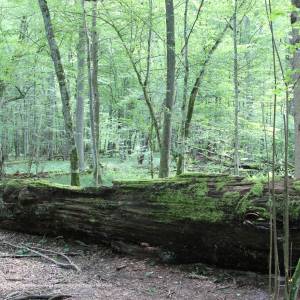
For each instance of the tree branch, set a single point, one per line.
(22, 95)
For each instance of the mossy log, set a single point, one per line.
(217, 219)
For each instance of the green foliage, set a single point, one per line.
(35, 122)
(257, 189)
(296, 185)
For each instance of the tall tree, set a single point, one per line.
(184, 112)
(295, 18)
(92, 93)
(95, 68)
(236, 92)
(81, 52)
(170, 92)
(194, 93)
(64, 92)
(51, 115)
(142, 80)
(180, 161)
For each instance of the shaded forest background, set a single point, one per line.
(132, 65)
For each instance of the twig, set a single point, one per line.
(41, 297)
(30, 255)
(54, 253)
(69, 265)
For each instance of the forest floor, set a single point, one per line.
(57, 171)
(106, 275)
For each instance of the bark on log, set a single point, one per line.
(218, 219)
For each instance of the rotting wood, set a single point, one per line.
(215, 219)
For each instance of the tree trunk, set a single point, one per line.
(96, 174)
(182, 140)
(194, 94)
(65, 96)
(95, 89)
(236, 93)
(143, 83)
(217, 219)
(94, 61)
(81, 51)
(1, 162)
(51, 117)
(170, 93)
(296, 66)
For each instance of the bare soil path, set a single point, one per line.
(106, 275)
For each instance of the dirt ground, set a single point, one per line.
(106, 275)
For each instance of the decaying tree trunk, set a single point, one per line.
(218, 219)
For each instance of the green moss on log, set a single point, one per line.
(192, 205)
(257, 189)
(296, 185)
(192, 196)
(200, 175)
(221, 184)
(16, 184)
(230, 201)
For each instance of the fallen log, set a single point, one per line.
(215, 219)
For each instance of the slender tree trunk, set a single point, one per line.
(296, 67)
(65, 96)
(236, 93)
(295, 283)
(273, 216)
(51, 120)
(182, 141)
(143, 83)
(295, 39)
(198, 81)
(81, 51)
(1, 162)
(94, 61)
(94, 79)
(91, 102)
(170, 93)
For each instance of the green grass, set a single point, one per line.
(43, 166)
(114, 169)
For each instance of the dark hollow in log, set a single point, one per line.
(214, 219)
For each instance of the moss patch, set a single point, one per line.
(16, 184)
(230, 200)
(257, 189)
(221, 182)
(193, 205)
(296, 185)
